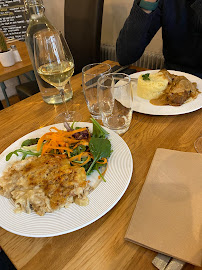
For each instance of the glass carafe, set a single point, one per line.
(37, 22)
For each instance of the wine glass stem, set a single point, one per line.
(62, 93)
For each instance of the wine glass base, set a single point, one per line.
(71, 116)
(198, 145)
(96, 116)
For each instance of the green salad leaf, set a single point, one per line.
(99, 148)
(24, 152)
(96, 167)
(98, 131)
(78, 150)
(29, 142)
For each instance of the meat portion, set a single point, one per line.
(179, 89)
(167, 75)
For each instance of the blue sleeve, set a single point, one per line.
(137, 32)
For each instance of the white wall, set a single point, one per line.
(54, 10)
(114, 15)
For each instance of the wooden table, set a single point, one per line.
(100, 245)
(19, 68)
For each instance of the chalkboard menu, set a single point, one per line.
(13, 21)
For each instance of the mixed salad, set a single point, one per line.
(77, 144)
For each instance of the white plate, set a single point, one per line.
(144, 106)
(102, 199)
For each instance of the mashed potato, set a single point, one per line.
(152, 86)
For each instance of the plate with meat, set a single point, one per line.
(166, 92)
(53, 182)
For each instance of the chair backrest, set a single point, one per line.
(83, 25)
(1, 106)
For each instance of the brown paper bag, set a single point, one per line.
(168, 214)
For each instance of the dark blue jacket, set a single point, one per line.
(181, 22)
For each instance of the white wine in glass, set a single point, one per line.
(55, 65)
(57, 73)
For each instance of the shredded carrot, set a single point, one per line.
(83, 163)
(62, 143)
(103, 162)
(103, 172)
(58, 141)
(78, 157)
(86, 161)
(59, 130)
(75, 131)
(40, 141)
(58, 155)
(82, 142)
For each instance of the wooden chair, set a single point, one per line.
(29, 88)
(83, 25)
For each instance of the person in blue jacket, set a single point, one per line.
(181, 22)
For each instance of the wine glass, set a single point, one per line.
(198, 144)
(55, 65)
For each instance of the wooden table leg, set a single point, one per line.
(3, 88)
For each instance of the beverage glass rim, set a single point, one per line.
(114, 74)
(96, 64)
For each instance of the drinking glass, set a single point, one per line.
(198, 144)
(90, 75)
(55, 65)
(115, 101)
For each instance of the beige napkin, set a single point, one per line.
(168, 214)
